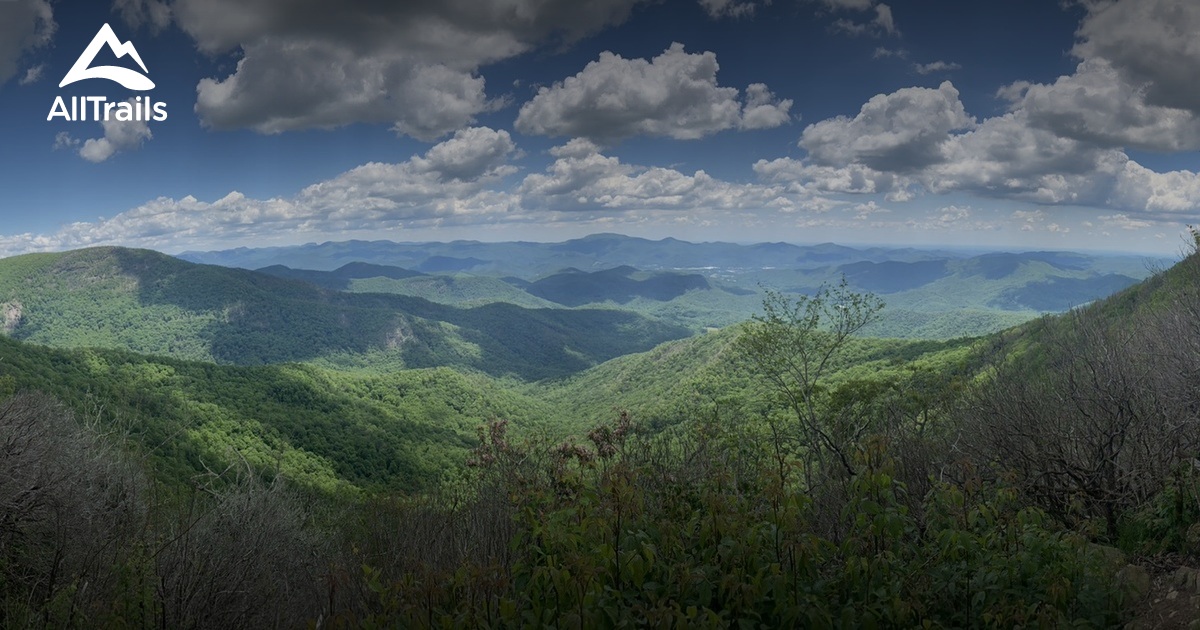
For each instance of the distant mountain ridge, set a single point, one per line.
(339, 279)
(529, 260)
(930, 293)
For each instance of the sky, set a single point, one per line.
(1007, 124)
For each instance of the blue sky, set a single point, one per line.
(998, 123)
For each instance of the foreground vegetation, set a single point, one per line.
(827, 482)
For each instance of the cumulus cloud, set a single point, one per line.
(463, 181)
(411, 64)
(448, 184)
(852, 178)
(1139, 188)
(584, 178)
(902, 131)
(1096, 105)
(472, 154)
(584, 182)
(1133, 87)
(25, 25)
(674, 94)
(282, 86)
(1006, 157)
(1151, 43)
(921, 139)
(762, 109)
(118, 136)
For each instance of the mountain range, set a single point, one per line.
(930, 293)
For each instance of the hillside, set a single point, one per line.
(340, 279)
(674, 382)
(458, 289)
(151, 303)
(323, 430)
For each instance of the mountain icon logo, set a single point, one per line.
(129, 78)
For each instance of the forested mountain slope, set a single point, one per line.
(323, 430)
(151, 303)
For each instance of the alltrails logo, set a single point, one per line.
(141, 109)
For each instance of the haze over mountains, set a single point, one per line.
(529, 259)
(930, 293)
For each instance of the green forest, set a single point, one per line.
(192, 446)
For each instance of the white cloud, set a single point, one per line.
(63, 140)
(1133, 87)
(33, 74)
(583, 184)
(953, 218)
(852, 5)
(953, 214)
(472, 154)
(447, 185)
(411, 64)
(936, 66)
(582, 178)
(285, 85)
(460, 182)
(1123, 222)
(1152, 43)
(863, 211)
(25, 25)
(1005, 157)
(1096, 105)
(883, 23)
(850, 179)
(899, 132)
(1139, 188)
(920, 139)
(118, 136)
(884, 19)
(717, 9)
(763, 110)
(136, 13)
(674, 94)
